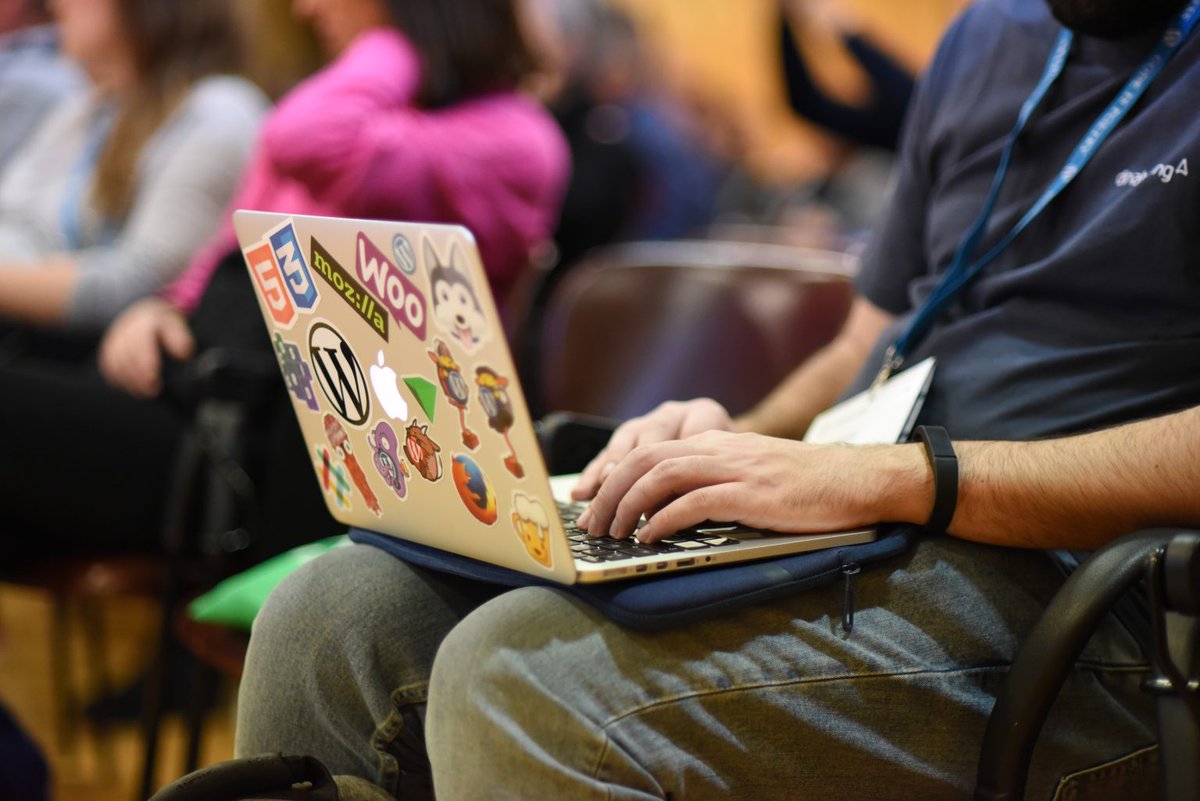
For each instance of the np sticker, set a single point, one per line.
(392, 287)
(340, 441)
(385, 445)
(333, 478)
(458, 393)
(338, 372)
(356, 297)
(422, 452)
(493, 397)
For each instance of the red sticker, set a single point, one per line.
(263, 266)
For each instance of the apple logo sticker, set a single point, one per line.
(383, 381)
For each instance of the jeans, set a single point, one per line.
(370, 664)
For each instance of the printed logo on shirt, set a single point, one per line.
(291, 264)
(1164, 173)
(392, 287)
(261, 260)
(341, 377)
(349, 289)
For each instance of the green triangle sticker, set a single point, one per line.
(425, 393)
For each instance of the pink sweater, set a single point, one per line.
(349, 142)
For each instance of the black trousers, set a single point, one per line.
(85, 468)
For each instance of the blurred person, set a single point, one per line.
(417, 117)
(125, 179)
(33, 76)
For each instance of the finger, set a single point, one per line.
(663, 483)
(590, 479)
(625, 474)
(712, 502)
(176, 337)
(145, 367)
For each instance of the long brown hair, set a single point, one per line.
(466, 46)
(175, 43)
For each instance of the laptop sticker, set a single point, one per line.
(387, 392)
(340, 441)
(338, 372)
(333, 478)
(455, 305)
(426, 394)
(295, 272)
(349, 289)
(474, 489)
(384, 443)
(493, 397)
(392, 287)
(297, 375)
(458, 393)
(406, 257)
(532, 525)
(422, 452)
(269, 280)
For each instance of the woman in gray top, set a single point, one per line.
(111, 194)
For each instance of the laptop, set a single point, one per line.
(416, 427)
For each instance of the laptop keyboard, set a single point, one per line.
(606, 549)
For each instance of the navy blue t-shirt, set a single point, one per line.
(1092, 315)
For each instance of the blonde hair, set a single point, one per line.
(175, 43)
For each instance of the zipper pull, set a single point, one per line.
(849, 571)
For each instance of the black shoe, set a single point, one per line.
(272, 776)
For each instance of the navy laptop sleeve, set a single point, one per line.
(680, 597)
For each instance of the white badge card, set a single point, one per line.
(882, 415)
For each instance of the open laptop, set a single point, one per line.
(393, 353)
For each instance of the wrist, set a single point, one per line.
(905, 487)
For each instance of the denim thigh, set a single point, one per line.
(339, 665)
(535, 695)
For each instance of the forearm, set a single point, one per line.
(1081, 491)
(819, 381)
(37, 294)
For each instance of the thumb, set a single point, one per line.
(176, 337)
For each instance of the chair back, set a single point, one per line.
(643, 323)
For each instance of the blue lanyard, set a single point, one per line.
(962, 271)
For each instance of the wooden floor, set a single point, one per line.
(88, 765)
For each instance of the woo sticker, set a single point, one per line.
(345, 285)
(290, 259)
(340, 441)
(333, 478)
(384, 443)
(493, 397)
(474, 489)
(270, 283)
(297, 375)
(455, 305)
(455, 386)
(338, 372)
(532, 524)
(422, 452)
(384, 279)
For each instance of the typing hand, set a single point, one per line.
(763, 482)
(670, 421)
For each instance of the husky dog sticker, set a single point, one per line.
(455, 305)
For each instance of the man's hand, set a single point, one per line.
(670, 421)
(131, 351)
(763, 482)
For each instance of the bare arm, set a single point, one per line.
(815, 385)
(1074, 492)
(39, 295)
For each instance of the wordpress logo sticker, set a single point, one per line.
(341, 377)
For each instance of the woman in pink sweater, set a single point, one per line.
(418, 118)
